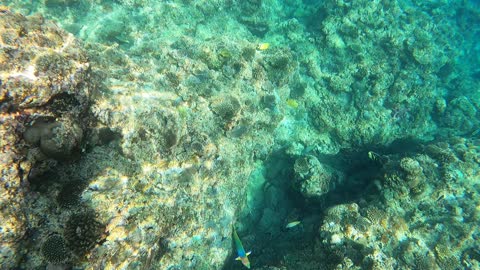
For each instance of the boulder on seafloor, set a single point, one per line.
(314, 179)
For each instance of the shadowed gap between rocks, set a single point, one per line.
(262, 227)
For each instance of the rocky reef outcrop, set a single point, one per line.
(45, 87)
(333, 134)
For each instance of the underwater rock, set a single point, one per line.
(57, 140)
(395, 230)
(371, 71)
(314, 179)
(256, 27)
(252, 15)
(343, 224)
(45, 87)
(279, 66)
(226, 107)
(414, 171)
(255, 194)
(460, 115)
(160, 127)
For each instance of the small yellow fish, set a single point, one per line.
(263, 46)
(292, 103)
(292, 224)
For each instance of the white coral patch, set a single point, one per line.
(28, 73)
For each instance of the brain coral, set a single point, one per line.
(82, 231)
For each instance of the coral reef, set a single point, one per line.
(314, 179)
(57, 140)
(70, 193)
(55, 250)
(139, 146)
(82, 231)
(402, 229)
(44, 94)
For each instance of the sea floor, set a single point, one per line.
(136, 134)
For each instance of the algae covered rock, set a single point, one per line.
(396, 229)
(314, 179)
(460, 115)
(46, 83)
(226, 107)
(38, 62)
(45, 88)
(56, 140)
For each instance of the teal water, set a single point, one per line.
(357, 120)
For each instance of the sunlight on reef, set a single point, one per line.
(136, 134)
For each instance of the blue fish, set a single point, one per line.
(242, 255)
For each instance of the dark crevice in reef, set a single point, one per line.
(357, 171)
(59, 183)
(362, 166)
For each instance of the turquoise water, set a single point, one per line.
(332, 134)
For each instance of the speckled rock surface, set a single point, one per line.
(416, 223)
(203, 111)
(168, 190)
(44, 96)
(314, 179)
